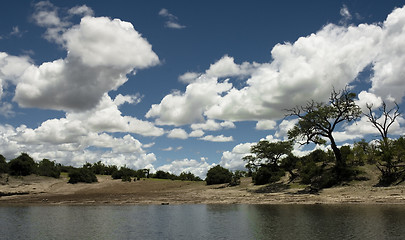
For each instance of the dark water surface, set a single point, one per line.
(204, 222)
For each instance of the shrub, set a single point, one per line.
(23, 165)
(218, 175)
(82, 175)
(308, 170)
(3, 164)
(267, 174)
(188, 176)
(123, 173)
(48, 168)
(236, 178)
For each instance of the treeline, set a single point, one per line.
(25, 165)
(271, 161)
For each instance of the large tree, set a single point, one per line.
(390, 165)
(318, 120)
(268, 153)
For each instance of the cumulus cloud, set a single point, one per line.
(79, 81)
(219, 138)
(266, 125)
(303, 70)
(177, 133)
(197, 133)
(212, 125)
(189, 77)
(186, 108)
(171, 20)
(233, 159)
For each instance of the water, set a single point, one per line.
(203, 222)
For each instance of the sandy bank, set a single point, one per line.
(35, 190)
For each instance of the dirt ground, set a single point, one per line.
(36, 190)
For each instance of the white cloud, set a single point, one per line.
(79, 81)
(220, 138)
(197, 133)
(81, 10)
(189, 77)
(187, 108)
(365, 98)
(388, 81)
(198, 168)
(345, 13)
(303, 70)
(284, 127)
(171, 20)
(168, 149)
(177, 133)
(266, 125)
(69, 144)
(226, 67)
(211, 125)
(6, 109)
(233, 159)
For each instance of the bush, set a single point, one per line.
(48, 169)
(23, 165)
(267, 174)
(236, 178)
(3, 164)
(218, 175)
(308, 171)
(124, 173)
(188, 176)
(82, 175)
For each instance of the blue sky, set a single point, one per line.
(180, 85)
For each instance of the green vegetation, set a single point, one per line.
(48, 168)
(218, 175)
(23, 165)
(3, 164)
(82, 175)
(316, 123)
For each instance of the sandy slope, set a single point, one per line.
(35, 190)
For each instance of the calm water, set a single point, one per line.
(203, 222)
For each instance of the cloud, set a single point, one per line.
(345, 13)
(189, 77)
(198, 168)
(365, 98)
(177, 133)
(197, 133)
(266, 125)
(6, 109)
(81, 10)
(220, 138)
(304, 70)
(233, 159)
(187, 108)
(171, 20)
(71, 145)
(90, 70)
(211, 125)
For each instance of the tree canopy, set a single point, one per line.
(318, 120)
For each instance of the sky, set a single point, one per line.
(184, 86)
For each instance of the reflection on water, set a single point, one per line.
(204, 222)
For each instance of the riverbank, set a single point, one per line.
(36, 190)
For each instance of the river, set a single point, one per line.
(204, 222)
